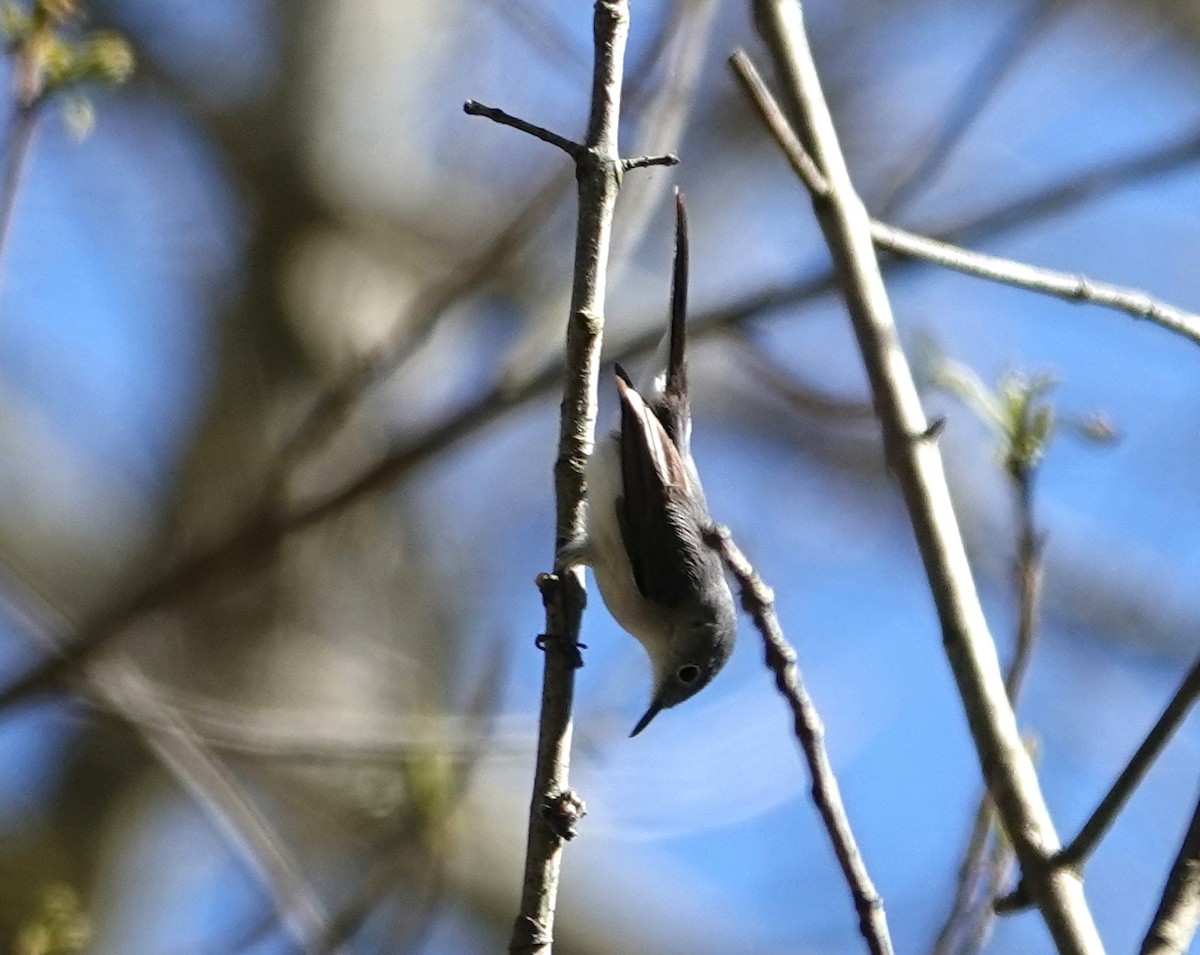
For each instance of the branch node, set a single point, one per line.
(562, 812)
(1016, 901)
(934, 431)
(529, 935)
(641, 162)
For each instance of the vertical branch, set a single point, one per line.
(1029, 583)
(598, 169)
(598, 177)
(916, 462)
(1174, 924)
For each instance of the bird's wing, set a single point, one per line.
(660, 511)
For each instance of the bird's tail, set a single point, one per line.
(676, 381)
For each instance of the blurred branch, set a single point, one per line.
(962, 921)
(598, 172)
(215, 789)
(1076, 853)
(1080, 848)
(333, 407)
(540, 28)
(973, 95)
(1178, 915)
(22, 125)
(47, 62)
(759, 602)
(915, 461)
(680, 43)
(1071, 287)
(1023, 425)
(264, 527)
(768, 371)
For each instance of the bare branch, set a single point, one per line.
(1080, 848)
(979, 87)
(471, 108)
(1178, 915)
(918, 467)
(22, 126)
(759, 602)
(642, 162)
(1064, 285)
(1071, 287)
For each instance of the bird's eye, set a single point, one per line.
(688, 674)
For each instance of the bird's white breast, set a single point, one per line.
(607, 555)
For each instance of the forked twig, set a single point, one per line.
(1071, 287)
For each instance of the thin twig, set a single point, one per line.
(1174, 924)
(20, 138)
(759, 602)
(1029, 573)
(1071, 287)
(966, 892)
(675, 60)
(215, 789)
(471, 108)
(917, 465)
(979, 87)
(1079, 849)
(643, 162)
(986, 864)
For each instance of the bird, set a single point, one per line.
(645, 517)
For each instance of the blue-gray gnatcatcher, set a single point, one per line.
(645, 514)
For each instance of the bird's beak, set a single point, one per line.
(655, 708)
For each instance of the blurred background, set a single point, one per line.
(279, 343)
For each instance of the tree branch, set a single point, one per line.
(572, 149)
(1068, 286)
(599, 167)
(1080, 848)
(917, 465)
(759, 602)
(980, 86)
(22, 127)
(1174, 924)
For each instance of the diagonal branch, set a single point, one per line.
(214, 788)
(1068, 286)
(915, 461)
(979, 87)
(1076, 853)
(1178, 915)
(759, 602)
